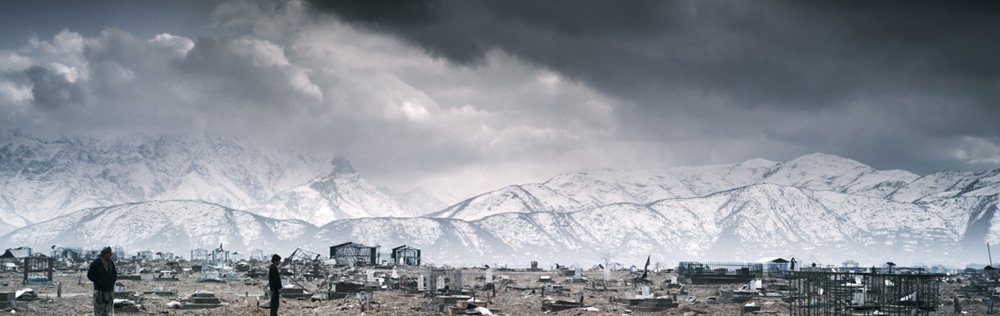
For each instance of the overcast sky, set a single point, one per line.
(469, 96)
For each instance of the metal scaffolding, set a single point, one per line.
(351, 254)
(406, 255)
(719, 272)
(852, 293)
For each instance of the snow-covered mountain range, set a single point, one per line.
(817, 207)
(169, 226)
(42, 179)
(814, 172)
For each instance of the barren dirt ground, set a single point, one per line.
(243, 299)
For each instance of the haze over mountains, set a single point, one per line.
(157, 192)
(41, 179)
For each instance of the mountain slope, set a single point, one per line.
(760, 220)
(342, 194)
(816, 172)
(41, 179)
(817, 207)
(586, 189)
(174, 226)
(745, 223)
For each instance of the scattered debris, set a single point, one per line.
(25, 294)
(174, 305)
(166, 275)
(550, 305)
(646, 304)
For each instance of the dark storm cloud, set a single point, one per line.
(53, 90)
(144, 18)
(421, 93)
(928, 69)
(763, 53)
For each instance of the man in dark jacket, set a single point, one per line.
(274, 282)
(104, 275)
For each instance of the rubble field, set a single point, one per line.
(516, 293)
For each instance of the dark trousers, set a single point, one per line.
(275, 298)
(104, 303)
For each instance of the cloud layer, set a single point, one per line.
(469, 96)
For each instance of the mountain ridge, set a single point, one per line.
(821, 225)
(44, 178)
(817, 206)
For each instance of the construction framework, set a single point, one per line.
(37, 267)
(852, 293)
(305, 264)
(351, 254)
(406, 255)
(719, 272)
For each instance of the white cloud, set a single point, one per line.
(178, 45)
(66, 49)
(70, 74)
(259, 52)
(15, 96)
(414, 111)
(977, 150)
(300, 80)
(12, 62)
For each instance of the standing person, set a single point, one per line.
(274, 282)
(104, 275)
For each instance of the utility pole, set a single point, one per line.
(988, 252)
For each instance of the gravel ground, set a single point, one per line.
(242, 299)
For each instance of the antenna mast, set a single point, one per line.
(988, 252)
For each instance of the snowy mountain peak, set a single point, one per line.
(816, 172)
(818, 206)
(44, 178)
(174, 226)
(342, 194)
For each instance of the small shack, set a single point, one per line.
(351, 254)
(777, 267)
(16, 254)
(13, 258)
(406, 255)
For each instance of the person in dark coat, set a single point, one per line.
(104, 275)
(274, 282)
